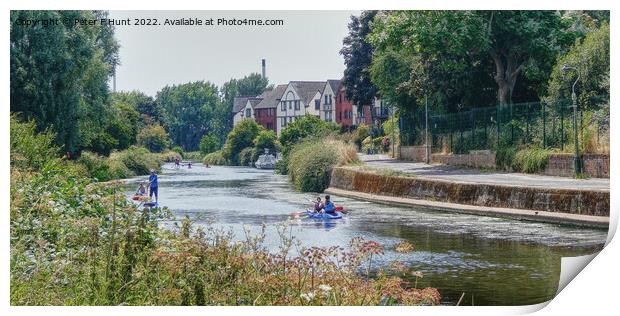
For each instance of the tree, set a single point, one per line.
(251, 85)
(304, 127)
(145, 105)
(242, 136)
(154, 138)
(266, 139)
(453, 49)
(59, 75)
(592, 59)
(357, 53)
(209, 143)
(190, 112)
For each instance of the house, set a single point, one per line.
(380, 111)
(298, 99)
(327, 106)
(347, 113)
(243, 107)
(265, 110)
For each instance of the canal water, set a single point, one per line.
(494, 261)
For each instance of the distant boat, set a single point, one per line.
(266, 161)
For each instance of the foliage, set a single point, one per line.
(505, 156)
(592, 59)
(178, 150)
(531, 160)
(457, 56)
(251, 85)
(357, 53)
(193, 155)
(310, 162)
(307, 126)
(154, 138)
(209, 143)
(215, 158)
(149, 111)
(191, 110)
(59, 75)
(246, 156)
(242, 136)
(29, 150)
(121, 164)
(266, 139)
(361, 133)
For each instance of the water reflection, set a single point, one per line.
(493, 261)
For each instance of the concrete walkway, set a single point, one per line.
(483, 177)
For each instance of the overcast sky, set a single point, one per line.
(306, 47)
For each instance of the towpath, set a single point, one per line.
(483, 177)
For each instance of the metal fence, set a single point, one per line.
(530, 123)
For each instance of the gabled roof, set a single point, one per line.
(271, 98)
(255, 101)
(308, 89)
(334, 84)
(239, 103)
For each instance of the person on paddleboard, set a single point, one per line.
(329, 206)
(153, 185)
(189, 165)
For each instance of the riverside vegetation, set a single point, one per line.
(76, 241)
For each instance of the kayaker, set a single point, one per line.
(189, 165)
(329, 207)
(141, 190)
(153, 185)
(318, 205)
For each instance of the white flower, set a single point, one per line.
(325, 287)
(307, 296)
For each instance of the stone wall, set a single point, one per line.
(475, 159)
(563, 165)
(413, 153)
(584, 202)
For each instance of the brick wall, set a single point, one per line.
(413, 153)
(563, 165)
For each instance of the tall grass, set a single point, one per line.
(310, 162)
(531, 160)
(133, 161)
(215, 158)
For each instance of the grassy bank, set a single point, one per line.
(75, 241)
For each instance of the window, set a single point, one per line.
(340, 116)
(317, 104)
(270, 126)
(326, 99)
(248, 113)
(283, 121)
(270, 112)
(282, 106)
(290, 105)
(297, 102)
(290, 119)
(331, 98)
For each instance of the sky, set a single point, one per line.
(306, 47)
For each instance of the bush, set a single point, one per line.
(310, 163)
(360, 134)
(139, 160)
(504, 157)
(193, 155)
(246, 156)
(215, 158)
(307, 126)
(209, 144)
(178, 150)
(96, 166)
(154, 138)
(281, 166)
(242, 136)
(29, 150)
(265, 139)
(531, 160)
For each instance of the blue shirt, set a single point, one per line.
(153, 180)
(329, 207)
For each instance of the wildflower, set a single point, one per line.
(403, 247)
(307, 296)
(398, 266)
(418, 274)
(325, 288)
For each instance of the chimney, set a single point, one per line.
(264, 76)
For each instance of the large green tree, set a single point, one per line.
(357, 53)
(59, 75)
(250, 85)
(457, 53)
(190, 112)
(145, 105)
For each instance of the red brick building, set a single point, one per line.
(347, 113)
(265, 111)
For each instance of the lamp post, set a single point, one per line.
(577, 160)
